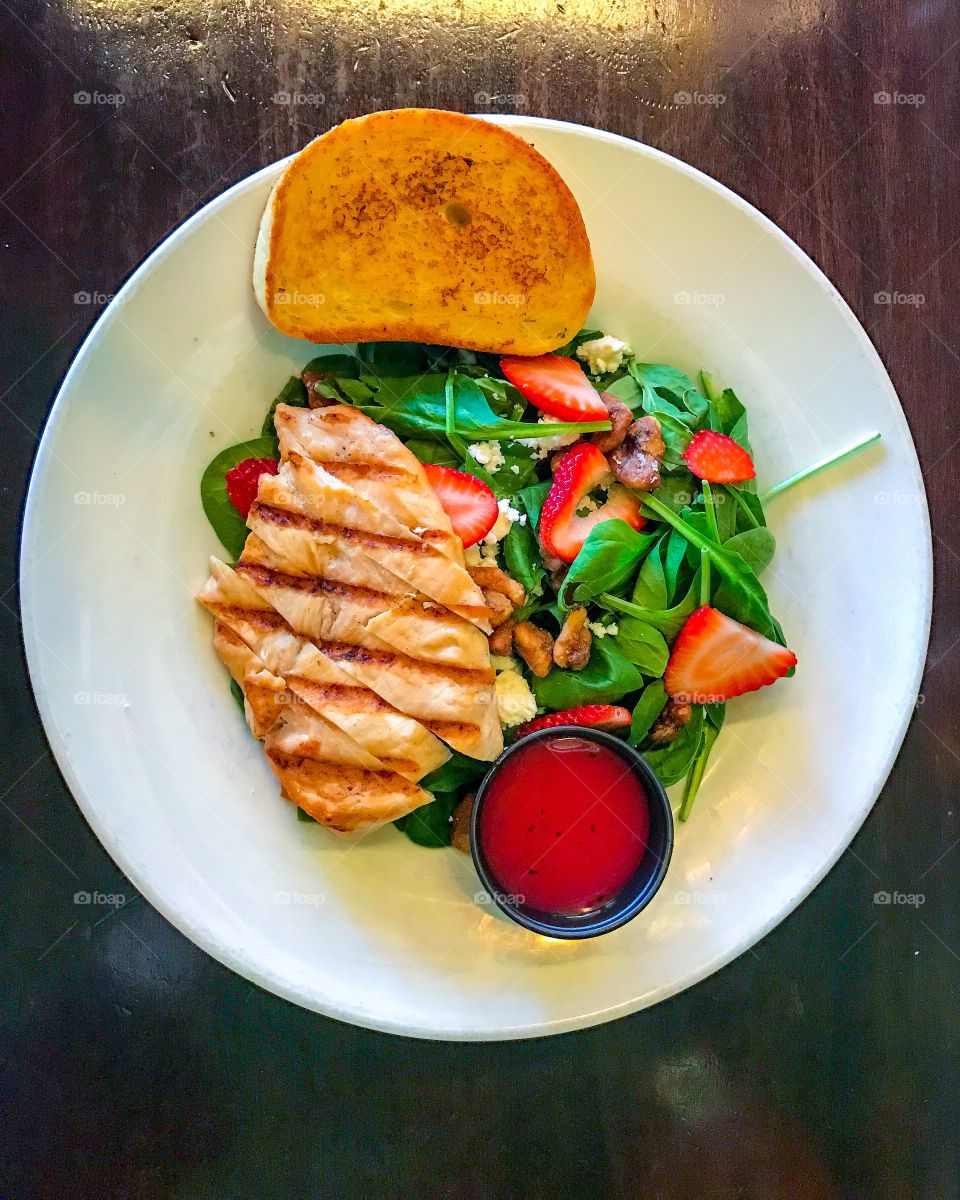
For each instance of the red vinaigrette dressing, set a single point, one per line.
(564, 824)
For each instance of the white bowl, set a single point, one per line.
(384, 933)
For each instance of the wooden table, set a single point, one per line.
(822, 1064)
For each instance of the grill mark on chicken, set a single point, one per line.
(284, 518)
(345, 652)
(312, 585)
(350, 471)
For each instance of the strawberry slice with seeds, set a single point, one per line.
(582, 469)
(242, 481)
(588, 716)
(715, 658)
(555, 385)
(718, 458)
(470, 505)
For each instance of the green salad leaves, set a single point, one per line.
(699, 545)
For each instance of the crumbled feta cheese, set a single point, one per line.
(600, 631)
(515, 702)
(508, 516)
(603, 355)
(487, 454)
(515, 468)
(472, 556)
(543, 446)
(503, 662)
(418, 529)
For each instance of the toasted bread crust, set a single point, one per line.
(423, 225)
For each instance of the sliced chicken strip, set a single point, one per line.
(265, 694)
(455, 703)
(303, 499)
(391, 736)
(332, 777)
(373, 461)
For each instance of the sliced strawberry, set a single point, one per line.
(589, 716)
(582, 468)
(718, 458)
(242, 481)
(555, 385)
(715, 658)
(470, 505)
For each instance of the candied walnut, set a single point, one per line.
(636, 461)
(673, 716)
(500, 607)
(491, 578)
(501, 640)
(535, 647)
(460, 825)
(620, 419)
(572, 647)
(315, 397)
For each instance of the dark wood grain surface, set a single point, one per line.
(822, 1064)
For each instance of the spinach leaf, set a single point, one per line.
(669, 621)
(414, 405)
(395, 358)
(293, 392)
(532, 499)
(673, 761)
(505, 482)
(227, 523)
(643, 645)
(428, 450)
(607, 558)
(430, 824)
(305, 816)
(747, 601)
(521, 552)
(648, 708)
(457, 773)
(650, 590)
(755, 546)
(749, 507)
(236, 691)
(334, 366)
(627, 391)
(606, 678)
(659, 375)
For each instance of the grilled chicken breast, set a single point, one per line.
(303, 503)
(352, 625)
(374, 462)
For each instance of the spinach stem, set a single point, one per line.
(624, 606)
(821, 465)
(713, 392)
(695, 778)
(744, 506)
(710, 510)
(450, 417)
(704, 578)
